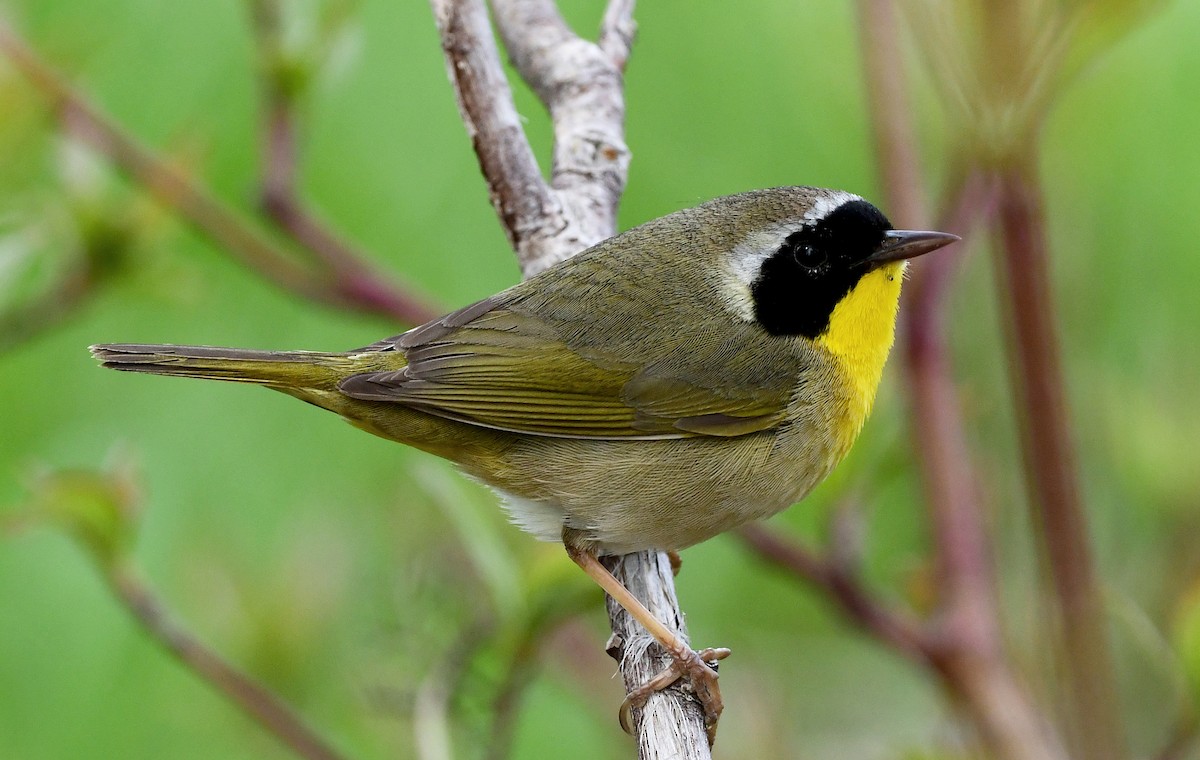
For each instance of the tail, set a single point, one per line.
(278, 369)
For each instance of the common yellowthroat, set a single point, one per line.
(702, 370)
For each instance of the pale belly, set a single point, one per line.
(663, 494)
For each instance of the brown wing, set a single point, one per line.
(501, 363)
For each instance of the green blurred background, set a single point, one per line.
(337, 568)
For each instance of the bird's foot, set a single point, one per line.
(676, 563)
(699, 671)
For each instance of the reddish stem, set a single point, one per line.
(1051, 478)
(844, 587)
(349, 271)
(968, 654)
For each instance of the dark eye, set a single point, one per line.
(810, 256)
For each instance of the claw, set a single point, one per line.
(700, 670)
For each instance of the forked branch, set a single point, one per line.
(581, 85)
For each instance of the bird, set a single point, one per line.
(694, 373)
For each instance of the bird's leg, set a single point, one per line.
(687, 663)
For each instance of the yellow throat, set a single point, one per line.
(861, 331)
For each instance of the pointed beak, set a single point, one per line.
(906, 244)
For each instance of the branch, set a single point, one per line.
(617, 30)
(194, 203)
(255, 700)
(670, 726)
(522, 199)
(581, 85)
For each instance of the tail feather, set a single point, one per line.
(282, 369)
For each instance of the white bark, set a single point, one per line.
(581, 84)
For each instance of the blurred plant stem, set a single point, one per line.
(282, 80)
(434, 704)
(971, 659)
(101, 511)
(345, 282)
(969, 653)
(258, 702)
(558, 607)
(1007, 73)
(843, 584)
(1051, 474)
(1184, 738)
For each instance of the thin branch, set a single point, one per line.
(256, 701)
(193, 202)
(617, 31)
(670, 725)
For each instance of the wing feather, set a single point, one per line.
(511, 364)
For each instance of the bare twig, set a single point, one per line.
(255, 700)
(194, 203)
(670, 726)
(617, 30)
(581, 85)
(525, 204)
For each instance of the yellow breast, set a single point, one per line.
(861, 331)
